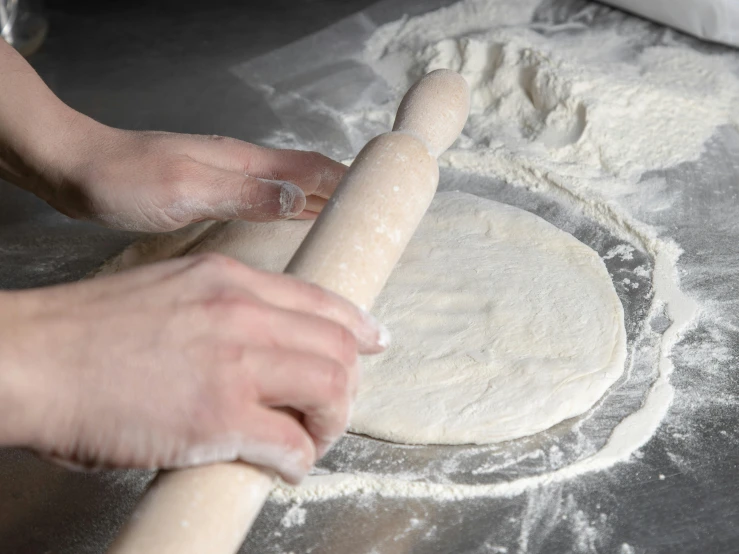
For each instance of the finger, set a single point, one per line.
(306, 214)
(277, 290)
(72, 464)
(265, 437)
(311, 171)
(220, 194)
(314, 173)
(293, 294)
(315, 203)
(319, 388)
(309, 333)
(260, 324)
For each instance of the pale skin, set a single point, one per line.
(189, 361)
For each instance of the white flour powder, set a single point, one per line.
(581, 112)
(586, 102)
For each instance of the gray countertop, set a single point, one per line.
(201, 69)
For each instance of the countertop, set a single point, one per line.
(196, 68)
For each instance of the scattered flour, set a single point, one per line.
(624, 251)
(294, 516)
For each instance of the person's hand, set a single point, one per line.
(179, 363)
(145, 181)
(156, 181)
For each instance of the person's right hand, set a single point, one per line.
(181, 363)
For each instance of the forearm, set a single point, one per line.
(15, 395)
(146, 181)
(36, 128)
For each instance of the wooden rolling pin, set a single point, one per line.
(351, 249)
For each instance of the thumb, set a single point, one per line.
(230, 195)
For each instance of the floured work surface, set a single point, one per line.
(596, 122)
(550, 133)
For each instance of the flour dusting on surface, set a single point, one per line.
(295, 516)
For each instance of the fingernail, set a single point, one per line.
(277, 199)
(383, 337)
(292, 199)
(295, 466)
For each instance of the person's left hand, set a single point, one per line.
(157, 181)
(145, 181)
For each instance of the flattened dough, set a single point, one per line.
(503, 325)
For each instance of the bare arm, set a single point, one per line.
(148, 181)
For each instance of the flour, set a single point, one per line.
(579, 113)
(586, 101)
(622, 250)
(295, 516)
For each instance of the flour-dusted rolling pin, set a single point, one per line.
(351, 249)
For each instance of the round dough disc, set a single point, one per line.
(503, 325)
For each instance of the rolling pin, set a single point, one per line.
(351, 250)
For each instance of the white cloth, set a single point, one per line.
(714, 20)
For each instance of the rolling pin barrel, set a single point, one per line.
(351, 249)
(435, 109)
(369, 220)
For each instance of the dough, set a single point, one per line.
(503, 325)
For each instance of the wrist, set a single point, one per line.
(45, 161)
(42, 140)
(61, 159)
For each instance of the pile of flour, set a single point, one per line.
(575, 99)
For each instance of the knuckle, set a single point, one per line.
(228, 309)
(226, 355)
(273, 174)
(249, 192)
(215, 266)
(218, 290)
(247, 163)
(317, 293)
(293, 439)
(321, 300)
(314, 159)
(337, 382)
(345, 345)
(210, 258)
